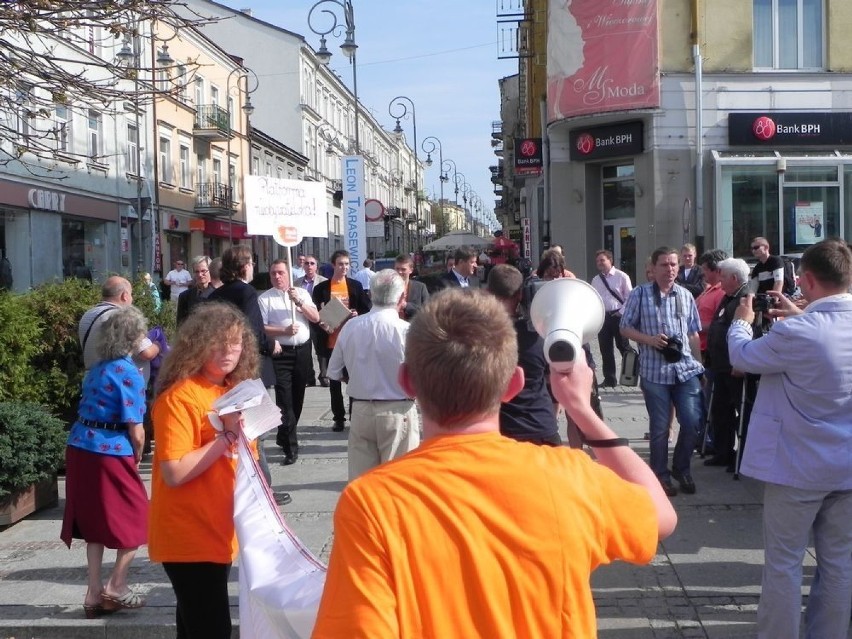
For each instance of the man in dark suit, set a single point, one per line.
(416, 293)
(350, 292)
(307, 281)
(689, 275)
(463, 272)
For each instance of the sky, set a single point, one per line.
(440, 53)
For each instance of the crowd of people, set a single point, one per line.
(711, 353)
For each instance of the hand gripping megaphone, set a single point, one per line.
(567, 313)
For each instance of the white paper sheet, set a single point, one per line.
(260, 414)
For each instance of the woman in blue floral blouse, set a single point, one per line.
(105, 500)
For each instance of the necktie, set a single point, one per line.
(309, 285)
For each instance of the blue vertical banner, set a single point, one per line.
(355, 224)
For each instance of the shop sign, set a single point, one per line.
(28, 196)
(528, 156)
(626, 138)
(583, 74)
(46, 200)
(527, 237)
(790, 129)
(217, 228)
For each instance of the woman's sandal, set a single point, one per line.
(93, 612)
(129, 599)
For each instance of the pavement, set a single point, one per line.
(703, 583)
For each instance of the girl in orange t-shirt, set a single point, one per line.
(191, 528)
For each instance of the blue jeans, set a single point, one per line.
(687, 399)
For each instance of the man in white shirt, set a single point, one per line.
(299, 268)
(178, 279)
(363, 276)
(613, 286)
(369, 350)
(287, 313)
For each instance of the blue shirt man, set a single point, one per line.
(799, 443)
(662, 318)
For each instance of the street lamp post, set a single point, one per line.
(247, 108)
(348, 47)
(398, 109)
(130, 55)
(446, 170)
(430, 143)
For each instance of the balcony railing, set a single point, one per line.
(213, 198)
(212, 122)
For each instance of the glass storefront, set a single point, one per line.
(178, 250)
(619, 193)
(67, 246)
(83, 248)
(793, 202)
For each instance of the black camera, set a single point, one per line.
(762, 302)
(673, 350)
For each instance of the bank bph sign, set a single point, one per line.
(790, 129)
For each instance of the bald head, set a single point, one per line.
(117, 290)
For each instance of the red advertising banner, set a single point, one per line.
(602, 55)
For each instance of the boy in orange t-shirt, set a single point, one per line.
(474, 534)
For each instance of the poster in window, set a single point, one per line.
(810, 219)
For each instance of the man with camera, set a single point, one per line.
(800, 441)
(662, 318)
(727, 383)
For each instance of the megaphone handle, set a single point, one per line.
(607, 443)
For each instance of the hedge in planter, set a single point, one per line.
(58, 365)
(20, 341)
(32, 446)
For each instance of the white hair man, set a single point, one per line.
(727, 383)
(116, 293)
(369, 351)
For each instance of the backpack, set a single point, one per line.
(789, 276)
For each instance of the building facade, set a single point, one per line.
(740, 131)
(68, 188)
(303, 104)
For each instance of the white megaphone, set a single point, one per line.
(567, 313)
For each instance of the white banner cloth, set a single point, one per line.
(281, 581)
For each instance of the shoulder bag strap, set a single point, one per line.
(91, 326)
(611, 292)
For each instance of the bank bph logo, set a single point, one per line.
(585, 143)
(764, 128)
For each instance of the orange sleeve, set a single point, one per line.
(177, 426)
(628, 524)
(358, 600)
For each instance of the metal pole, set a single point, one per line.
(355, 92)
(137, 62)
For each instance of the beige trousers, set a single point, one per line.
(380, 431)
